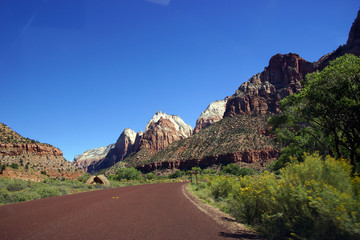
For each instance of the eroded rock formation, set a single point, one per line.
(261, 93)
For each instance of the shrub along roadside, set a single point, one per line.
(315, 199)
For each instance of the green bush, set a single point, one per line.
(128, 174)
(236, 170)
(315, 199)
(209, 171)
(15, 185)
(222, 187)
(14, 166)
(176, 174)
(150, 176)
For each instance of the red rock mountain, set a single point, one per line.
(161, 131)
(261, 93)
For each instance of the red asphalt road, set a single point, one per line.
(154, 211)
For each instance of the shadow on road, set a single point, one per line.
(240, 235)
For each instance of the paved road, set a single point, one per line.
(154, 211)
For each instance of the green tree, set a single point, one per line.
(196, 171)
(325, 116)
(176, 174)
(150, 176)
(128, 174)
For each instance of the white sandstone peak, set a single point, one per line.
(214, 110)
(130, 134)
(94, 153)
(180, 126)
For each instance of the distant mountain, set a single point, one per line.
(91, 157)
(31, 154)
(161, 130)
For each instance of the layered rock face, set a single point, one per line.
(91, 157)
(261, 93)
(31, 154)
(123, 147)
(162, 130)
(254, 159)
(14, 149)
(213, 113)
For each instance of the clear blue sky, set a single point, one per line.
(76, 73)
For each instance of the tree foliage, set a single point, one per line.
(128, 174)
(325, 116)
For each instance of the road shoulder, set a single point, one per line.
(235, 229)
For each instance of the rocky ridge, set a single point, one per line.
(31, 154)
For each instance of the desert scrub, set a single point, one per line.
(18, 190)
(316, 199)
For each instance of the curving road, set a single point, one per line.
(154, 211)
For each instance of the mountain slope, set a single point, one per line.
(28, 153)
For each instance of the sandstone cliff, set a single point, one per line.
(213, 113)
(262, 92)
(255, 159)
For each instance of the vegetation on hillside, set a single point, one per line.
(7, 135)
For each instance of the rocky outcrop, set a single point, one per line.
(35, 160)
(261, 93)
(15, 149)
(162, 130)
(253, 158)
(123, 147)
(213, 113)
(91, 157)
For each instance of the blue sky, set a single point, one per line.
(76, 73)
